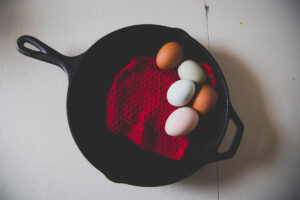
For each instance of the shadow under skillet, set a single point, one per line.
(259, 142)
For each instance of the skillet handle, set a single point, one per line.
(236, 140)
(45, 52)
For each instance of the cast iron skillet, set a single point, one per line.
(90, 76)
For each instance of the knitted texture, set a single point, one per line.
(137, 107)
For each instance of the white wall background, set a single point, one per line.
(257, 45)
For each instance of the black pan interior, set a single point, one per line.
(118, 157)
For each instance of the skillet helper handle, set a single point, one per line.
(45, 52)
(236, 140)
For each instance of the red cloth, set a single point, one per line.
(137, 107)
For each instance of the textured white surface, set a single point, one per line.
(257, 45)
(261, 61)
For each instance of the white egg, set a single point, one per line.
(181, 122)
(190, 70)
(181, 92)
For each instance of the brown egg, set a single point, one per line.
(206, 100)
(169, 56)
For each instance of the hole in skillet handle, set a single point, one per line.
(30, 46)
(44, 53)
(228, 137)
(236, 139)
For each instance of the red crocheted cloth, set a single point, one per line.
(137, 107)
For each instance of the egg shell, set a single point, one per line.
(191, 70)
(206, 100)
(181, 92)
(181, 121)
(169, 56)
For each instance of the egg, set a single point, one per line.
(169, 56)
(191, 70)
(206, 100)
(180, 92)
(181, 121)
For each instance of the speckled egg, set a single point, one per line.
(169, 56)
